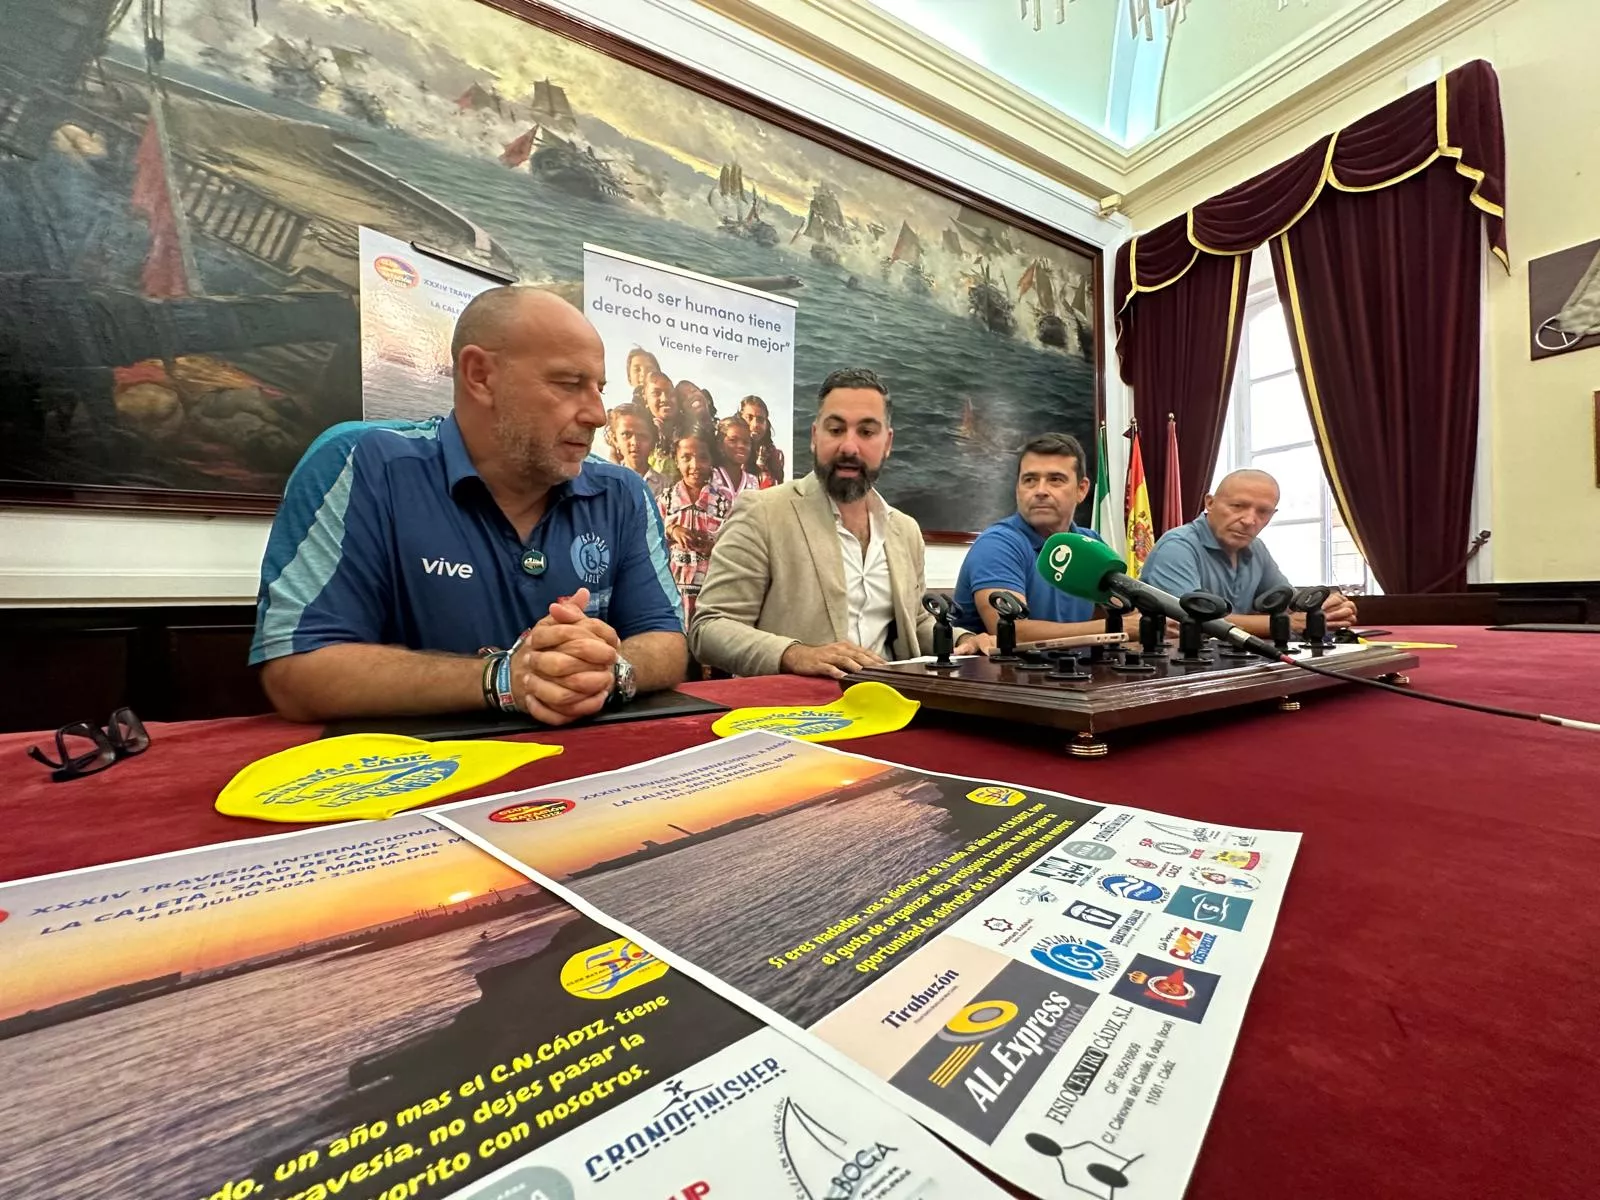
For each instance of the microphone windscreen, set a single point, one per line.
(1078, 565)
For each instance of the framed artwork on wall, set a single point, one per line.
(1564, 301)
(178, 238)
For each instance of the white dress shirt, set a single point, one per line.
(866, 579)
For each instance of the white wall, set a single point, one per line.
(81, 557)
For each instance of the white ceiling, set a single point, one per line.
(1096, 70)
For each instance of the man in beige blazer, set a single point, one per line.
(820, 576)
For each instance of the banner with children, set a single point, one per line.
(699, 396)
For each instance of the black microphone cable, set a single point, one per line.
(1434, 697)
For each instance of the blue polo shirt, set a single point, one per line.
(1004, 556)
(387, 535)
(1189, 558)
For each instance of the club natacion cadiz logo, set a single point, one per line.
(996, 797)
(610, 969)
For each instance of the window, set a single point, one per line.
(1269, 428)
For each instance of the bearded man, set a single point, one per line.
(820, 576)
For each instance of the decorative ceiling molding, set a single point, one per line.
(1333, 61)
(1315, 44)
(1172, 162)
(924, 75)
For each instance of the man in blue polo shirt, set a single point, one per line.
(1051, 483)
(481, 559)
(1219, 552)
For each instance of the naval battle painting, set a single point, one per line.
(181, 184)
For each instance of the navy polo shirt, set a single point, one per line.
(1189, 558)
(387, 535)
(1005, 556)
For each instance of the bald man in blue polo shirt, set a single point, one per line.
(483, 559)
(1219, 552)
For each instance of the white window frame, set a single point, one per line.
(1236, 451)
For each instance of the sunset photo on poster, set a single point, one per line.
(275, 1012)
(799, 839)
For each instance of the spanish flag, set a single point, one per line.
(1141, 532)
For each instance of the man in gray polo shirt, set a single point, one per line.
(1218, 552)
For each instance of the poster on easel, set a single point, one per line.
(409, 304)
(383, 1011)
(1053, 985)
(699, 399)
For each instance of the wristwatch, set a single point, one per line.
(623, 686)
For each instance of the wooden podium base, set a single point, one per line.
(1117, 697)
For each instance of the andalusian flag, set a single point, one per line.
(1105, 521)
(1141, 532)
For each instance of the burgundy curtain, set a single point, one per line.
(1381, 292)
(1443, 141)
(1178, 347)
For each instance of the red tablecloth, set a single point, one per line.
(1426, 1021)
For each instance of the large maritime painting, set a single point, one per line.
(181, 183)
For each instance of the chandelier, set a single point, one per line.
(1138, 13)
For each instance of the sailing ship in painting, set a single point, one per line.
(550, 149)
(178, 216)
(739, 211)
(908, 252)
(825, 227)
(988, 301)
(1050, 325)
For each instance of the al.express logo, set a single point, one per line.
(991, 1051)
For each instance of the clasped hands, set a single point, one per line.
(562, 668)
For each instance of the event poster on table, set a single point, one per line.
(1053, 985)
(383, 1011)
(409, 305)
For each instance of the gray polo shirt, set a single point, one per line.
(1189, 558)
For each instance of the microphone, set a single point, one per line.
(1091, 570)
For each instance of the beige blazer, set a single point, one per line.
(777, 577)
